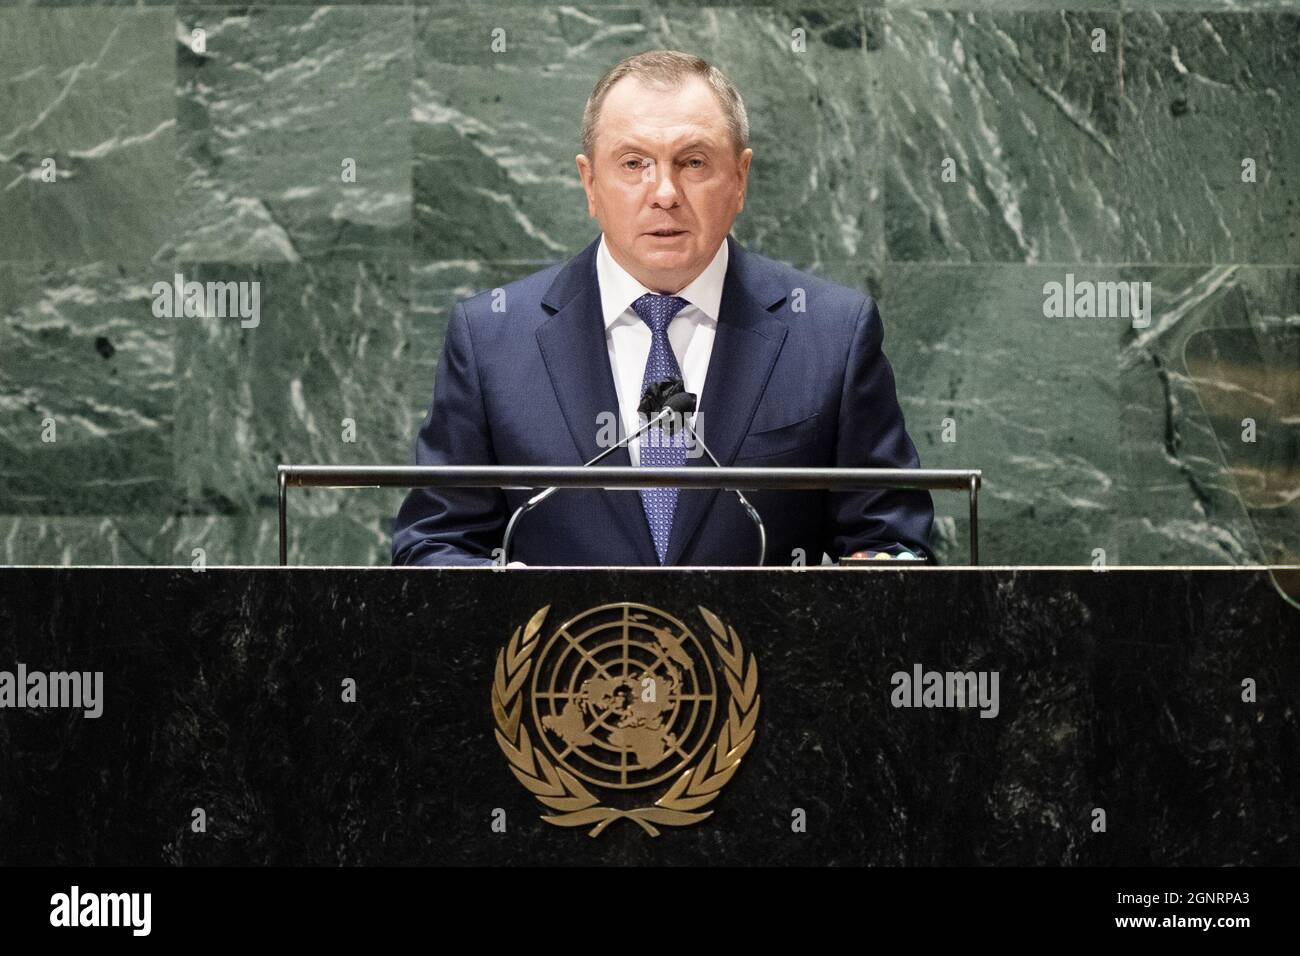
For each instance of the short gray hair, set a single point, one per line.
(668, 68)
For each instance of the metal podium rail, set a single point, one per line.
(530, 477)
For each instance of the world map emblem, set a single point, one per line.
(623, 712)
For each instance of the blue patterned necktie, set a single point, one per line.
(658, 449)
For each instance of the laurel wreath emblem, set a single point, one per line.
(576, 806)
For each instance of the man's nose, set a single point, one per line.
(663, 190)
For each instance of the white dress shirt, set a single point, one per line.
(690, 333)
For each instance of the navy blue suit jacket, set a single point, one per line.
(527, 385)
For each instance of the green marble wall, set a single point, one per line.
(224, 164)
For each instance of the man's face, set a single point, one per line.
(665, 183)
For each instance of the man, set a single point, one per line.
(788, 367)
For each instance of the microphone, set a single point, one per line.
(683, 404)
(662, 400)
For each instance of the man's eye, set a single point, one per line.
(695, 163)
(635, 164)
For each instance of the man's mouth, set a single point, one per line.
(667, 233)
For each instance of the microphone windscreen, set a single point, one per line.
(682, 403)
(658, 393)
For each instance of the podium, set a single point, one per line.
(354, 716)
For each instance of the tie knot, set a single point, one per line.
(658, 310)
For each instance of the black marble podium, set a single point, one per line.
(1119, 690)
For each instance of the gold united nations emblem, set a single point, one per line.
(622, 699)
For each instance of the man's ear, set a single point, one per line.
(586, 173)
(743, 172)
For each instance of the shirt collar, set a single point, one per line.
(618, 289)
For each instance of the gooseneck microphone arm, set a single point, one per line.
(749, 508)
(545, 493)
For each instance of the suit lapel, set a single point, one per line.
(745, 347)
(572, 342)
